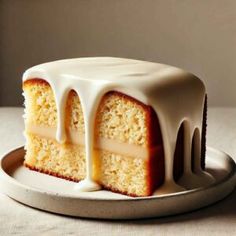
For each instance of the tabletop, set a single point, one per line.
(217, 219)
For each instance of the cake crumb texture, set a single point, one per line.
(64, 159)
(118, 117)
(123, 173)
(113, 171)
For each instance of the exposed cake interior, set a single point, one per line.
(129, 153)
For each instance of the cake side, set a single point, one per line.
(114, 121)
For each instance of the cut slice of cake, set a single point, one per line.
(129, 153)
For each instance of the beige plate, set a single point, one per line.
(57, 195)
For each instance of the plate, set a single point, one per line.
(56, 195)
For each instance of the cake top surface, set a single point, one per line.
(110, 69)
(104, 68)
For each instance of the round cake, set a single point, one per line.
(129, 126)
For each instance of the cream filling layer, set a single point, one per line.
(75, 137)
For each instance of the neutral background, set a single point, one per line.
(199, 36)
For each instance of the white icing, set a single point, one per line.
(175, 95)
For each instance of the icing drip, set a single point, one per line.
(87, 93)
(189, 179)
(61, 104)
(204, 177)
(169, 149)
(175, 95)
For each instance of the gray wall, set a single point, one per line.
(199, 36)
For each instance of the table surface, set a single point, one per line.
(218, 219)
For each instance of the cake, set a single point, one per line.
(129, 126)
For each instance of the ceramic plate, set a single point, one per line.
(57, 195)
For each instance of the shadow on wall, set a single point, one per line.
(198, 36)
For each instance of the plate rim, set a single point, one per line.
(13, 181)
